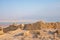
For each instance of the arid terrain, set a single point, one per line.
(34, 31)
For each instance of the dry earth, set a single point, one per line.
(35, 31)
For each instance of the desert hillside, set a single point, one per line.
(34, 31)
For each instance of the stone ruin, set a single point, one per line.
(33, 26)
(41, 30)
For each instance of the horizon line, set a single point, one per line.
(18, 20)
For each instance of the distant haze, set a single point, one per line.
(48, 10)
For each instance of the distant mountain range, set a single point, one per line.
(18, 20)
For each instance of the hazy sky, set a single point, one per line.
(30, 9)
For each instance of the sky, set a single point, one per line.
(48, 10)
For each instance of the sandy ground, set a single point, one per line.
(18, 35)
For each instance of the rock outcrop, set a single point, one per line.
(37, 31)
(33, 26)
